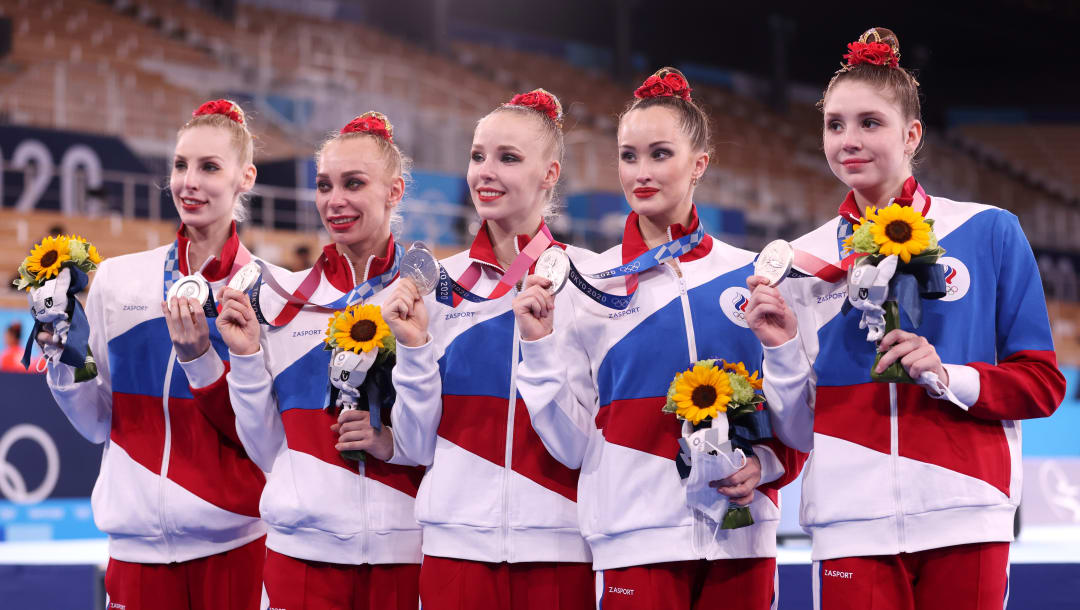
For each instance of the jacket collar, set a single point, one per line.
(633, 244)
(220, 266)
(482, 250)
(339, 270)
(849, 209)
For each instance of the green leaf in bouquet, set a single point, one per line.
(738, 410)
(928, 256)
(354, 455)
(385, 357)
(88, 370)
(736, 517)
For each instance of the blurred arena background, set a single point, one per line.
(92, 92)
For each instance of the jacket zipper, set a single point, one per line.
(166, 450)
(691, 348)
(509, 452)
(361, 473)
(688, 319)
(691, 340)
(364, 516)
(894, 454)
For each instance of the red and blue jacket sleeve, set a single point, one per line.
(1025, 382)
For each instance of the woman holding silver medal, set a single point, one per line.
(177, 494)
(498, 513)
(915, 477)
(341, 531)
(596, 368)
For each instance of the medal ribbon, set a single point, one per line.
(300, 297)
(450, 292)
(807, 264)
(656, 256)
(172, 273)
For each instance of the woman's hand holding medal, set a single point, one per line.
(237, 323)
(406, 314)
(767, 314)
(534, 308)
(187, 327)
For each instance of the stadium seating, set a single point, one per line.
(136, 68)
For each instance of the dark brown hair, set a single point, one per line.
(692, 119)
(901, 85)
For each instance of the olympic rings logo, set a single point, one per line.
(12, 484)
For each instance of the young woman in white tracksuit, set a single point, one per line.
(177, 493)
(341, 532)
(498, 513)
(595, 380)
(911, 490)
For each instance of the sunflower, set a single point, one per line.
(45, 259)
(900, 230)
(740, 369)
(703, 391)
(359, 328)
(848, 246)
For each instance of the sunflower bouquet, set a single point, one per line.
(48, 258)
(896, 265)
(54, 272)
(363, 355)
(723, 414)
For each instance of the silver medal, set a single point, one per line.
(245, 278)
(420, 266)
(775, 261)
(554, 265)
(192, 287)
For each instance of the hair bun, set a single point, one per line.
(666, 82)
(876, 46)
(540, 100)
(226, 108)
(371, 122)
